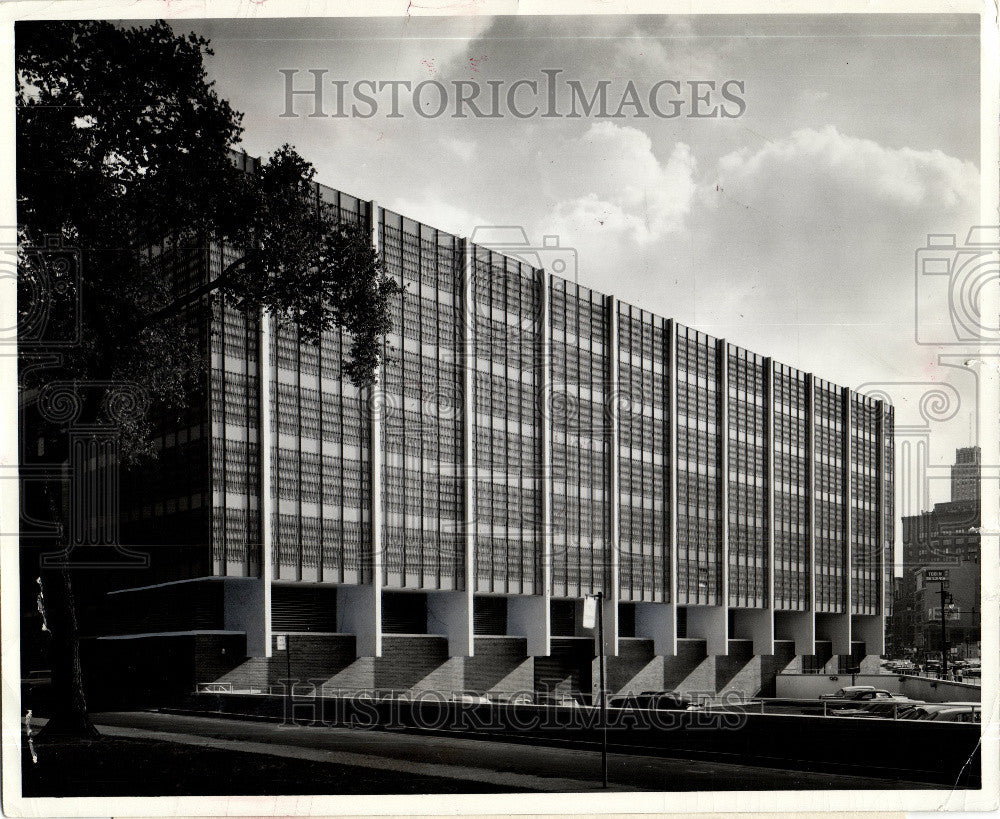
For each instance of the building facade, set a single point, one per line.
(946, 537)
(529, 442)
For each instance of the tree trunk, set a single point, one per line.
(68, 708)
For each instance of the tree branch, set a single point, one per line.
(193, 296)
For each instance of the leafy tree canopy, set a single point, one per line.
(123, 144)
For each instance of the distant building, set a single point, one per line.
(947, 537)
(962, 610)
(965, 475)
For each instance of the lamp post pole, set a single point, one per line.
(944, 635)
(603, 698)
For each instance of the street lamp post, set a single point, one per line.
(944, 634)
(604, 705)
(593, 610)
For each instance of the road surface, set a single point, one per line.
(527, 766)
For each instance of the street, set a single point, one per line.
(503, 764)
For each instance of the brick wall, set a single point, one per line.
(310, 657)
(739, 671)
(499, 664)
(327, 658)
(690, 669)
(783, 659)
(568, 670)
(418, 663)
(635, 669)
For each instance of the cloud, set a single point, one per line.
(436, 212)
(825, 167)
(609, 181)
(464, 149)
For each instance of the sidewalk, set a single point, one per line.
(468, 762)
(417, 776)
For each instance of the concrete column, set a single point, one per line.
(246, 609)
(529, 616)
(866, 627)
(711, 624)
(869, 629)
(455, 609)
(880, 505)
(757, 625)
(761, 622)
(799, 626)
(359, 612)
(611, 587)
(809, 627)
(260, 645)
(532, 616)
(450, 612)
(359, 608)
(658, 621)
(714, 625)
(848, 514)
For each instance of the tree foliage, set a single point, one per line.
(123, 143)
(125, 155)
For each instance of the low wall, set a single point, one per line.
(946, 754)
(810, 686)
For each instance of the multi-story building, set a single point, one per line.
(529, 442)
(965, 475)
(961, 615)
(947, 537)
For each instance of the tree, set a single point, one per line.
(124, 144)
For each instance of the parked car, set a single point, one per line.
(471, 699)
(857, 693)
(947, 712)
(655, 700)
(965, 713)
(880, 708)
(564, 700)
(930, 710)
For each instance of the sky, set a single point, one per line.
(791, 229)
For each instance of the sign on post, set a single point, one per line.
(282, 642)
(951, 613)
(590, 612)
(936, 576)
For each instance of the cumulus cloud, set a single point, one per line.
(825, 166)
(436, 212)
(464, 149)
(610, 182)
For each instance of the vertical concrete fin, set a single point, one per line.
(528, 616)
(720, 629)
(657, 622)
(265, 442)
(810, 509)
(763, 639)
(611, 587)
(711, 624)
(370, 645)
(359, 613)
(450, 612)
(246, 610)
(468, 359)
(668, 639)
(543, 631)
(848, 515)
